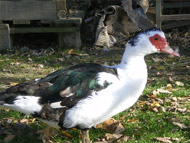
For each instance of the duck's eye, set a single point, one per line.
(155, 38)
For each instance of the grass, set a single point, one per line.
(17, 67)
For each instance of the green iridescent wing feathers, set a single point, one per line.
(81, 79)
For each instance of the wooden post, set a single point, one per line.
(5, 41)
(61, 9)
(159, 13)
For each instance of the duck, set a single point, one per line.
(84, 95)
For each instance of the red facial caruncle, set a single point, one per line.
(162, 45)
(158, 41)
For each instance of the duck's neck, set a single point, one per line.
(132, 58)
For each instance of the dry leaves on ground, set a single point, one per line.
(115, 129)
(12, 127)
(168, 89)
(110, 138)
(181, 125)
(111, 125)
(166, 139)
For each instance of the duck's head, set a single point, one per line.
(150, 41)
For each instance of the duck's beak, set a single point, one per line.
(169, 50)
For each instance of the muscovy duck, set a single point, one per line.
(85, 95)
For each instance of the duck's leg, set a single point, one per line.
(85, 136)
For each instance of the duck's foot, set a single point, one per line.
(85, 136)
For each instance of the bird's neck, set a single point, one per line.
(132, 58)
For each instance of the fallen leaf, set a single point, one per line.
(15, 121)
(187, 34)
(161, 90)
(66, 134)
(9, 138)
(142, 103)
(154, 109)
(176, 139)
(183, 98)
(14, 63)
(132, 120)
(174, 99)
(155, 104)
(160, 101)
(7, 121)
(158, 73)
(13, 83)
(179, 83)
(182, 110)
(62, 59)
(112, 137)
(107, 125)
(163, 139)
(171, 79)
(152, 96)
(124, 139)
(181, 125)
(41, 66)
(188, 67)
(6, 109)
(24, 121)
(169, 88)
(119, 129)
(29, 60)
(163, 109)
(111, 125)
(71, 52)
